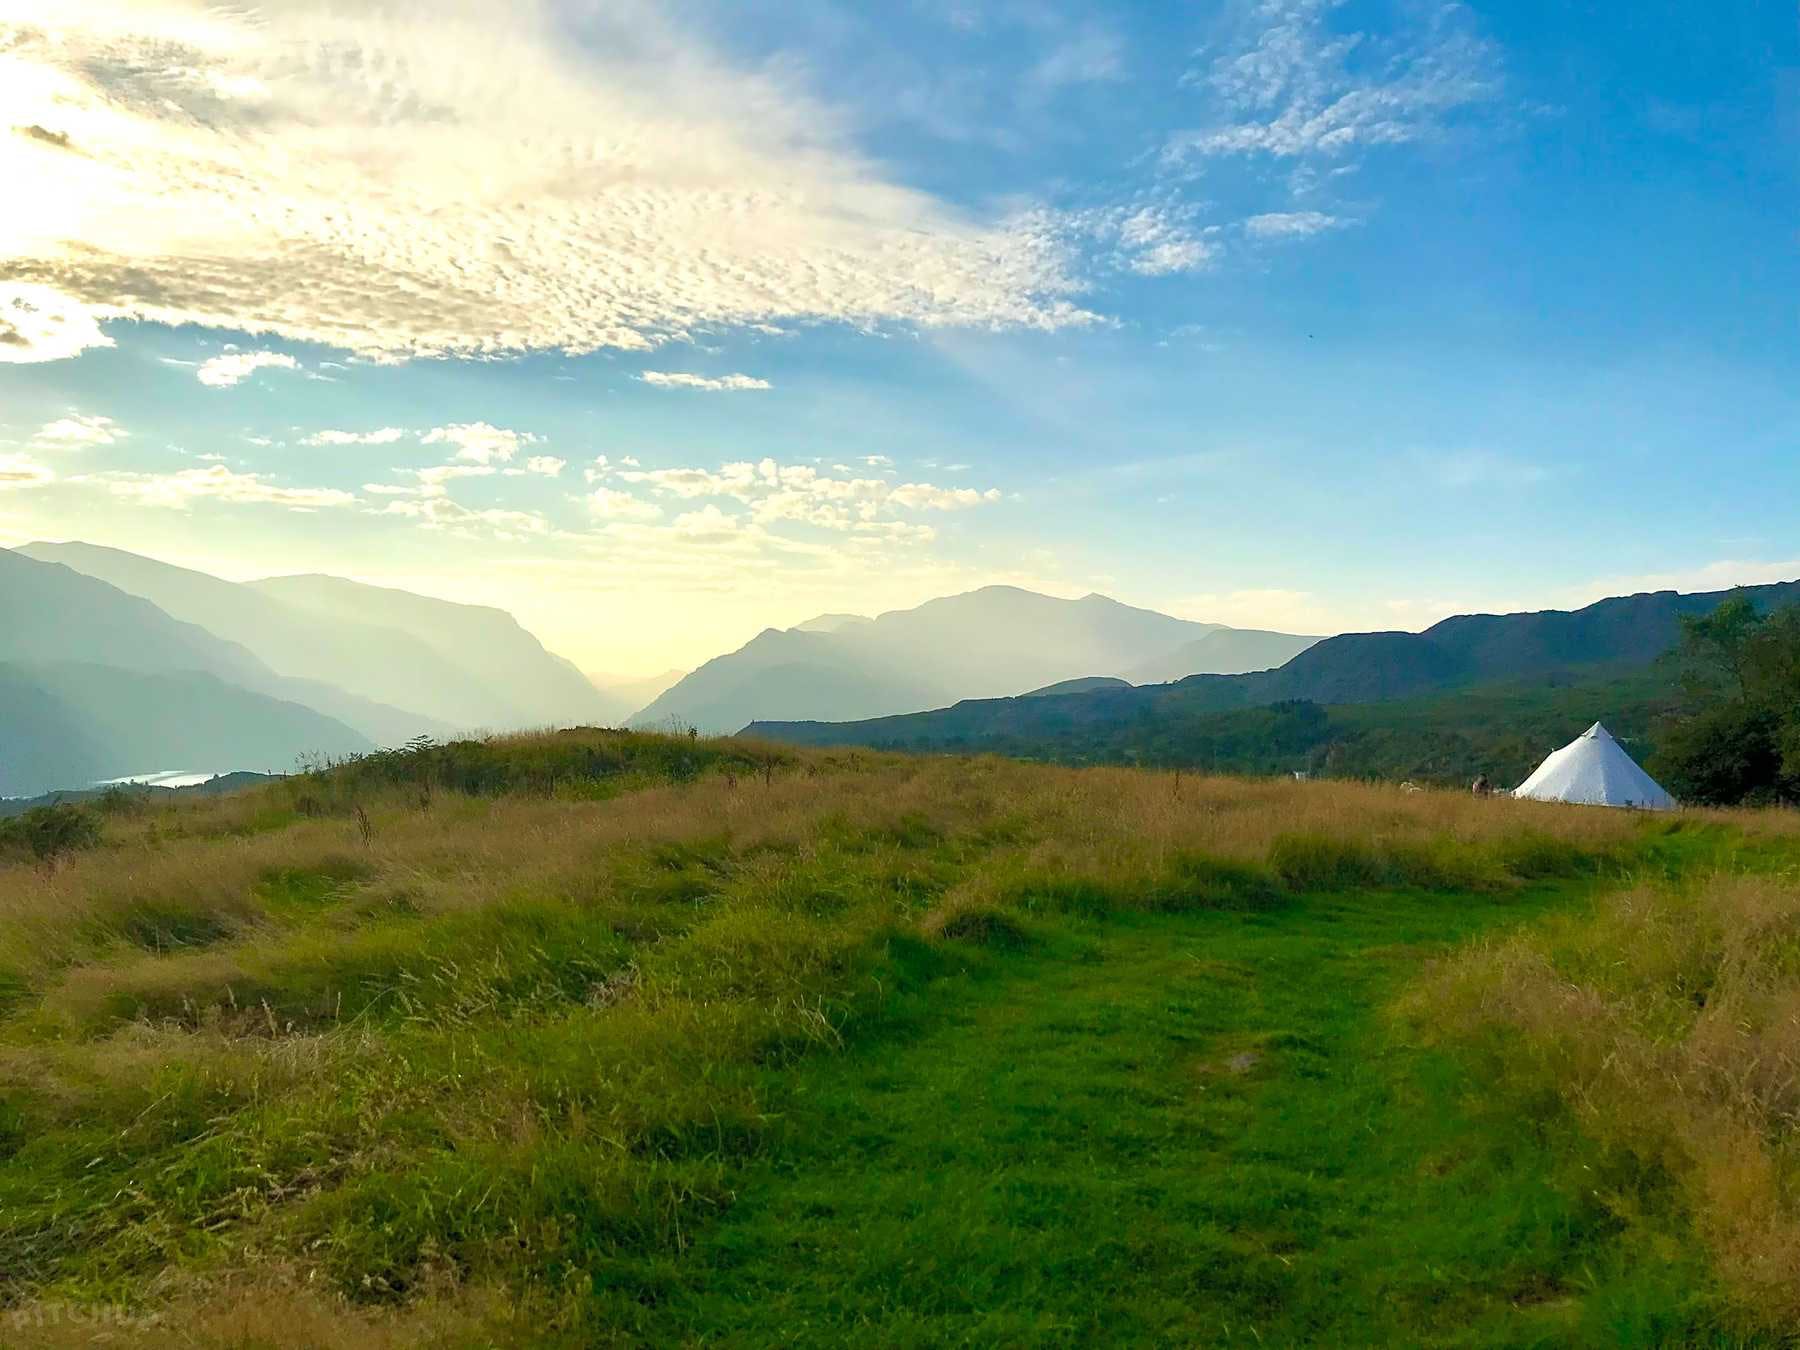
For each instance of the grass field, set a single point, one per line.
(596, 1038)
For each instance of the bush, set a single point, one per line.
(1727, 755)
(49, 832)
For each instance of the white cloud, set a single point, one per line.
(1287, 84)
(38, 322)
(1290, 224)
(480, 443)
(925, 497)
(221, 372)
(802, 494)
(385, 436)
(709, 522)
(22, 471)
(77, 432)
(611, 504)
(675, 380)
(441, 513)
(418, 178)
(1153, 239)
(178, 491)
(547, 465)
(1087, 57)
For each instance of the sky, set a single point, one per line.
(662, 324)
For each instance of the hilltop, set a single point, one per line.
(597, 1037)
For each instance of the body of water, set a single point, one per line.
(169, 778)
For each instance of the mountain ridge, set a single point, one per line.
(989, 642)
(1465, 651)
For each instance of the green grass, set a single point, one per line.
(1196, 1128)
(854, 1050)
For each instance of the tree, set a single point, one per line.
(1739, 741)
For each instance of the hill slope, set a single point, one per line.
(49, 612)
(69, 724)
(997, 641)
(1614, 635)
(1228, 651)
(55, 611)
(917, 1052)
(524, 684)
(379, 664)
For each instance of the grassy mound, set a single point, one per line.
(478, 1042)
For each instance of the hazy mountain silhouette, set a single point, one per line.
(527, 685)
(1226, 651)
(150, 618)
(49, 612)
(383, 664)
(68, 724)
(999, 640)
(1618, 634)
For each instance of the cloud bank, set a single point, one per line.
(453, 177)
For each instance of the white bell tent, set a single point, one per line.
(1594, 770)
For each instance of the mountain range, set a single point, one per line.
(114, 664)
(996, 641)
(1610, 637)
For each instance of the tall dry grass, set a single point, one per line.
(1667, 1021)
(273, 1039)
(199, 873)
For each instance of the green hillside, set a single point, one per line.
(1530, 658)
(606, 1039)
(1503, 731)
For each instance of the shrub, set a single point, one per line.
(50, 832)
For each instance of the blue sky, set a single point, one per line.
(662, 324)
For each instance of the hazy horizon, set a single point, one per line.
(657, 328)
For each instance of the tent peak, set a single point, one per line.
(1596, 733)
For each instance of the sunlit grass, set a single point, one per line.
(392, 1048)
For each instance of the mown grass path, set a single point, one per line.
(1202, 1128)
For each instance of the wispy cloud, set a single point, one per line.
(1287, 83)
(382, 436)
(1149, 237)
(22, 471)
(1291, 224)
(221, 372)
(77, 432)
(414, 179)
(611, 504)
(801, 494)
(39, 322)
(663, 379)
(180, 490)
(480, 443)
